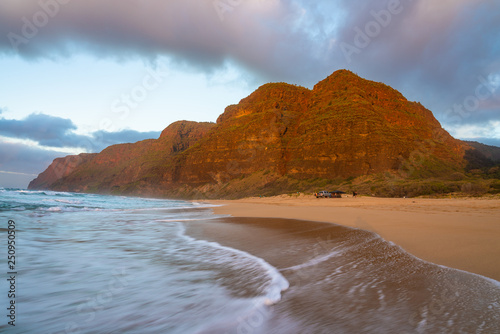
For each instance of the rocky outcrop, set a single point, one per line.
(345, 127)
(136, 168)
(59, 168)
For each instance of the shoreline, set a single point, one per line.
(457, 233)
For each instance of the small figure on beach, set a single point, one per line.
(354, 194)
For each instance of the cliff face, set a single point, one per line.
(134, 168)
(249, 137)
(345, 127)
(357, 127)
(59, 168)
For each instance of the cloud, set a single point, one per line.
(472, 130)
(426, 40)
(199, 32)
(54, 138)
(15, 180)
(57, 132)
(21, 158)
(44, 129)
(433, 51)
(125, 136)
(20, 163)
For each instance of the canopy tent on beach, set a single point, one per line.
(337, 193)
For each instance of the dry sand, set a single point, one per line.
(457, 233)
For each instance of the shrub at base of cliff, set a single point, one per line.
(494, 187)
(475, 189)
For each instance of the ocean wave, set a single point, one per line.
(64, 201)
(54, 209)
(276, 283)
(69, 209)
(58, 193)
(44, 192)
(165, 208)
(206, 205)
(180, 220)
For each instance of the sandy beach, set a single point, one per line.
(457, 233)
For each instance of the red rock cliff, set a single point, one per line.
(344, 127)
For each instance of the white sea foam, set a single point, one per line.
(68, 201)
(173, 220)
(65, 201)
(173, 208)
(206, 205)
(70, 209)
(44, 192)
(57, 193)
(278, 282)
(490, 280)
(317, 260)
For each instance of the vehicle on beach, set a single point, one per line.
(323, 194)
(329, 194)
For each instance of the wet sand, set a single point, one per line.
(344, 280)
(457, 233)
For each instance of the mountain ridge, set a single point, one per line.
(281, 137)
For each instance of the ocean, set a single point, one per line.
(85, 263)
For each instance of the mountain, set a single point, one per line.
(490, 152)
(280, 138)
(59, 168)
(123, 167)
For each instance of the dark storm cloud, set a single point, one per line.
(435, 52)
(429, 41)
(53, 131)
(259, 35)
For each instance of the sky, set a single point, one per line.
(79, 75)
